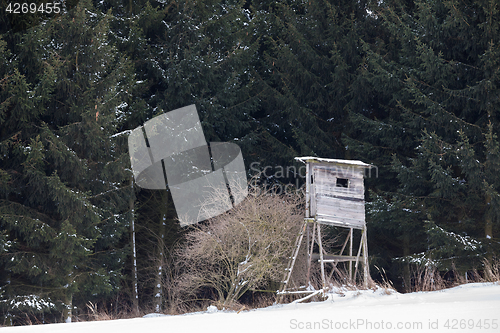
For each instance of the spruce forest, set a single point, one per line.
(411, 87)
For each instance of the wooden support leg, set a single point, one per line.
(321, 258)
(365, 258)
(350, 253)
(309, 254)
(357, 257)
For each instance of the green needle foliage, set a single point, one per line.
(429, 122)
(62, 209)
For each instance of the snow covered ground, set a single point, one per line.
(473, 307)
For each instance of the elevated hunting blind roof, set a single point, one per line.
(335, 191)
(331, 160)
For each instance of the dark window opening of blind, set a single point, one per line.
(342, 182)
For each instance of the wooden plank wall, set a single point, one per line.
(334, 205)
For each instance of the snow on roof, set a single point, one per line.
(331, 160)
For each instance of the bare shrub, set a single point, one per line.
(242, 249)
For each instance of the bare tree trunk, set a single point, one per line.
(8, 316)
(160, 258)
(135, 295)
(68, 306)
(406, 268)
(488, 226)
(7, 319)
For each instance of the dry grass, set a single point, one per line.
(429, 278)
(263, 301)
(491, 271)
(96, 313)
(386, 283)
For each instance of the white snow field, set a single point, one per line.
(472, 307)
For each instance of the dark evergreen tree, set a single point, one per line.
(63, 205)
(183, 53)
(428, 119)
(306, 63)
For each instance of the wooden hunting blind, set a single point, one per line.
(334, 197)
